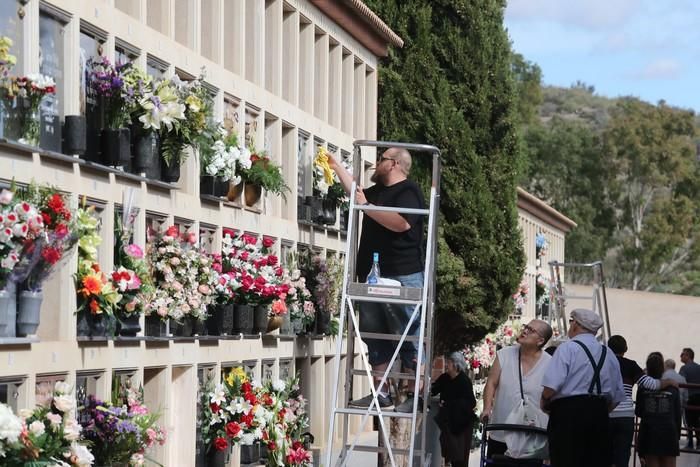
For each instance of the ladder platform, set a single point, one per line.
(385, 413)
(385, 293)
(393, 374)
(372, 207)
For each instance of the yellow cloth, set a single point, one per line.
(322, 161)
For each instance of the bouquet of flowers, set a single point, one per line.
(324, 280)
(195, 101)
(42, 253)
(50, 434)
(299, 298)
(122, 432)
(27, 93)
(19, 221)
(223, 158)
(7, 60)
(160, 108)
(520, 296)
(255, 268)
(184, 277)
(108, 83)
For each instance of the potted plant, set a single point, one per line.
(263, 173)
(191, 104)
(116, 101)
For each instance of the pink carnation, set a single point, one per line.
(134, 251)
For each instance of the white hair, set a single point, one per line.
(458, 359)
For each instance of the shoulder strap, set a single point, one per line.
(596, 367)
(520, 375)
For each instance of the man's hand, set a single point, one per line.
(485, 415)
(360, 197)
(668, 382)
(332, 162)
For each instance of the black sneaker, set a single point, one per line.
(407, 405)
(385, 402)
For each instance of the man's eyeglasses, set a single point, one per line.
(382, 159)
(529, 330)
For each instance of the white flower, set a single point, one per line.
(71, 430)
(81, 455)
(218, 396)
(10, 425)
(248, 439)
(6, 196)
(62, 387)
(64, 403)
(37, 428)
(55, 420)
(279, 385)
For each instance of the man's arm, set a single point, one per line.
(490, 388)
(653, 384)
(546, 398)
(344, 176)
(390, 220)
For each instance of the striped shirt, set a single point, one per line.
(632, 374)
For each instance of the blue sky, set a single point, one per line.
(644, 48)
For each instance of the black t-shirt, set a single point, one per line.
(400, 253)
(631, 372)
(457, 401)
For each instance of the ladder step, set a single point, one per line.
(382, 449)
(385, 413)
(392, 337)
(385, 293)
(372, 207)
(393, 374)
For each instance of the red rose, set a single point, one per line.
(220, 444)
(214, 407)
(244, 256)
(246, 387)
(46, 218)
(272, 260)
(268, 242)
(230, 232)
(249, 239)
(172, 231)
(61, 230)
(248, 418)
(232, 429)
(56, 203)
(271, 445)
(51, 255)
(250, 398)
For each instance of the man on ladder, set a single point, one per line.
(398, 240)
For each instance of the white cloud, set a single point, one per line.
(662, 69)
(588, 14)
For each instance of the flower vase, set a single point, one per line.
(28, 312)
(298, 327)
(128, 324)
(216, 458)
(234, 191)
(22, 122)
(116, 147)
(155, 326)
(146, 155)
(75, 135)
(344, 219)
(206, 185)
(323, 323)
(329, 212)
(275, 322)
(260, 319)
(184, 328)
(315, 210)
(252, 194)
(170, 172)
(250, 453)
(242, 319)
(220, 320)
(286, 327)
(8, 310)
(89, 325)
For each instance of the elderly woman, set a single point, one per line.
(456, 415)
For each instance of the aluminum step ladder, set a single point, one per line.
(559, 297)
(423, 302)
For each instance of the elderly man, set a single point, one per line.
(525, 362)
(582, 384)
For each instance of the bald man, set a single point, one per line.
(398, 238)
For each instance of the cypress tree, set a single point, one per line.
(451, 85)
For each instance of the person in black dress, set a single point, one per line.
(660, 425)
(456, 415)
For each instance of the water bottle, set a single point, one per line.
(373, 276)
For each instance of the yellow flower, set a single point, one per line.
(236, 373)
(322, 161)
(193, 103)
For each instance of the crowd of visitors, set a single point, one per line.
(583, 395)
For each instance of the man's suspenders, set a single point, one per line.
(596, 368)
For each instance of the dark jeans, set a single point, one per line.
(621, 434)
(579, 432)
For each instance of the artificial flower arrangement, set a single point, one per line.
(520, 296)
(299, 298)
(22, 96)
(184, 128)
(240, 411)
(7, 60)
(47, 435)
(131, 278)
(324, 278)
(265, 173)
(222, 157)
(159, 109)
(183, 276)
(480, 356)
(121, 432)
(118, 95)
(19, 222)
(326, 182)
(96, 294)
(42, 253)
(256, 269)
(541, 281)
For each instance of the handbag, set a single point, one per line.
(524, 444)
